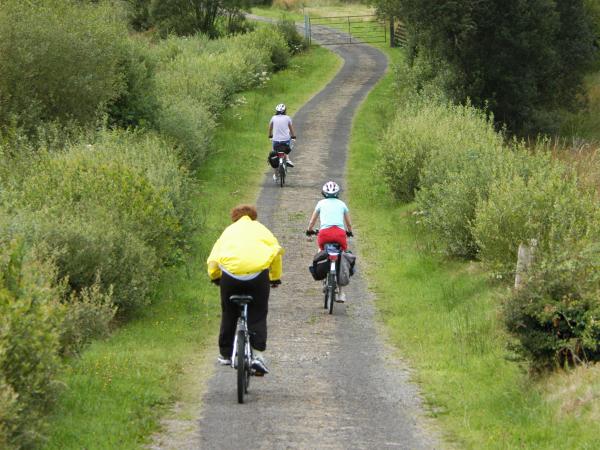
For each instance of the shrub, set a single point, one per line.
(543, 202)
(198, 78)
(137, 104)
(120, 208)
(87, 316)
(30, 316)
(423, 127)
(448, 155)
(59, 60)
(295, 42)
(555, 315)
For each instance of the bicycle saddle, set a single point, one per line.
(240, 299)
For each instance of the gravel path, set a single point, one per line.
(334, 382)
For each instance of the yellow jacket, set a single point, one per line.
(245, 247)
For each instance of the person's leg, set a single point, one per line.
(229, 315)
(257, 320)
(259, 288)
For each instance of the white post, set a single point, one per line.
(525, 257)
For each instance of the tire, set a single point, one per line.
(330, 292)
(241, 366)
(281, 175)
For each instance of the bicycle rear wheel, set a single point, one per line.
(281, 175)
(330, 292)
(241, 365)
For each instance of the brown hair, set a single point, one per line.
(243, 210)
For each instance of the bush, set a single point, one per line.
(136, 106)
(88, 316)
(423, 127)
(59, 60)
(555, 315)
(120, 208)
(448, 155)
(295, 42)
(30, 316)
(198, 78)
(544, 202)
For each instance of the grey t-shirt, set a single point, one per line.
(281, 127)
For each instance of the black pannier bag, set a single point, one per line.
(273, 160)
(320, 266)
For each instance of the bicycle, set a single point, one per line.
(330, 283)
(279, 148)
(241, 356)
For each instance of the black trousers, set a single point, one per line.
(258, 288)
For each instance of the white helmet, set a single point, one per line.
(330, 189)
(280, 109)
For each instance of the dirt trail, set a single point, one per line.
(334, 382)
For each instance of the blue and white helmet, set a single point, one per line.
(280, 109)
(330, 189)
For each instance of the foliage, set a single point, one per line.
(118, 209)
(521, 58)
(30, 317)
(59, 60)
(542, 202)
(295, 42)
(137, 104)
(188, 17)
(423, 127)
(87, 316)
(198, 78)
(555, 315)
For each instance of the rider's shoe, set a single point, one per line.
(275, 178)
(223, 360)
(289, 162)
(259, 366)
(341, 297)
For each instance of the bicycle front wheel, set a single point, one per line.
(241, 365)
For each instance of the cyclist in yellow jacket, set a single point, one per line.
(245, 260)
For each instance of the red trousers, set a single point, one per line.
(332, 234)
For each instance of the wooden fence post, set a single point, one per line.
(525, 257)
(392, 34)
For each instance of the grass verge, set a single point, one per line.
(442, 316)
(118, 389)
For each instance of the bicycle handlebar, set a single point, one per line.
(316, 232)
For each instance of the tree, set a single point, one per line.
(522, 58)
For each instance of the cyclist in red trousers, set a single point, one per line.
(334, 218)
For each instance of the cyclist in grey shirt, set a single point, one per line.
(282, 132)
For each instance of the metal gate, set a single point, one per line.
(346, 29)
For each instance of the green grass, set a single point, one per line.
(118, 389)
(443, 316)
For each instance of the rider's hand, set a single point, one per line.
(270, 136)
(275, 283)
(349, 233)
(216, 281)
(310, 232)
(293, 137)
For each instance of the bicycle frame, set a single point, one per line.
(333, 255)
(242, 325)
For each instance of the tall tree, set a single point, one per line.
(521, 58)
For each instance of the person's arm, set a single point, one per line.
(347, 222)
(270, 129)
(313, 220)
(214, 271)
(292, 132)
